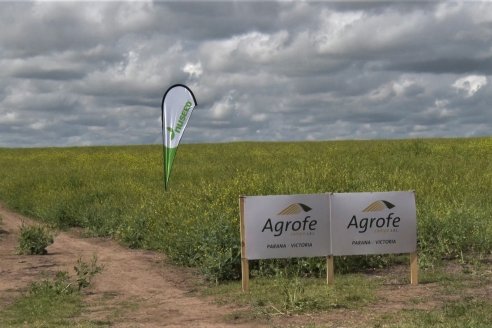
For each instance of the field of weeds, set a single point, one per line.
(119, 192)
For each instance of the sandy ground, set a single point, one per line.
(135, 289)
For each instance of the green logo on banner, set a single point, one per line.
(171, 131)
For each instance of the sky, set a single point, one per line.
(94, 73)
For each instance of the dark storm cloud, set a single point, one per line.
(217, 20)
(76, 73)
(48, 74)
(447, 65)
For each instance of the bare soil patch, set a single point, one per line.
(135, 289)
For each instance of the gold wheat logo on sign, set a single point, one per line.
(295, 209)
(378, 206)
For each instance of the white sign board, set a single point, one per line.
(373, 223)
(287, 226)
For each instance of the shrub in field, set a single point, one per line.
(463, 234)
(86, 272)
(33, 240)
(221, 263)
(61, 285)
(133, 230)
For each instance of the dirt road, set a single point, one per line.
(135, 289)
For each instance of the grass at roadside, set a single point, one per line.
(295, 295)
(451, 294)
(56, 302)
(462, 298)
(44, 305)
(467, 312)
(42, 310)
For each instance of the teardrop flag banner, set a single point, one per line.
(177, 104)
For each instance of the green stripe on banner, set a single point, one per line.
(169, 154)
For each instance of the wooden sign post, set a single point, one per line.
(414, 269)
(244, 260)
(330, 270)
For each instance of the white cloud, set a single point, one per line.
(470, 84)
(239, 50)
(225, 107)
(447, 9)
(358, 33)
(396, 88)
(259, 117)
(335, 28)
(262, 47)
(193, 69)
(440, 109)
(8, 117)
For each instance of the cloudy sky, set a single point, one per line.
(79, 73)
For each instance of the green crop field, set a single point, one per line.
(118, 192)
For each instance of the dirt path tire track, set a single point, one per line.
(134, 289)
